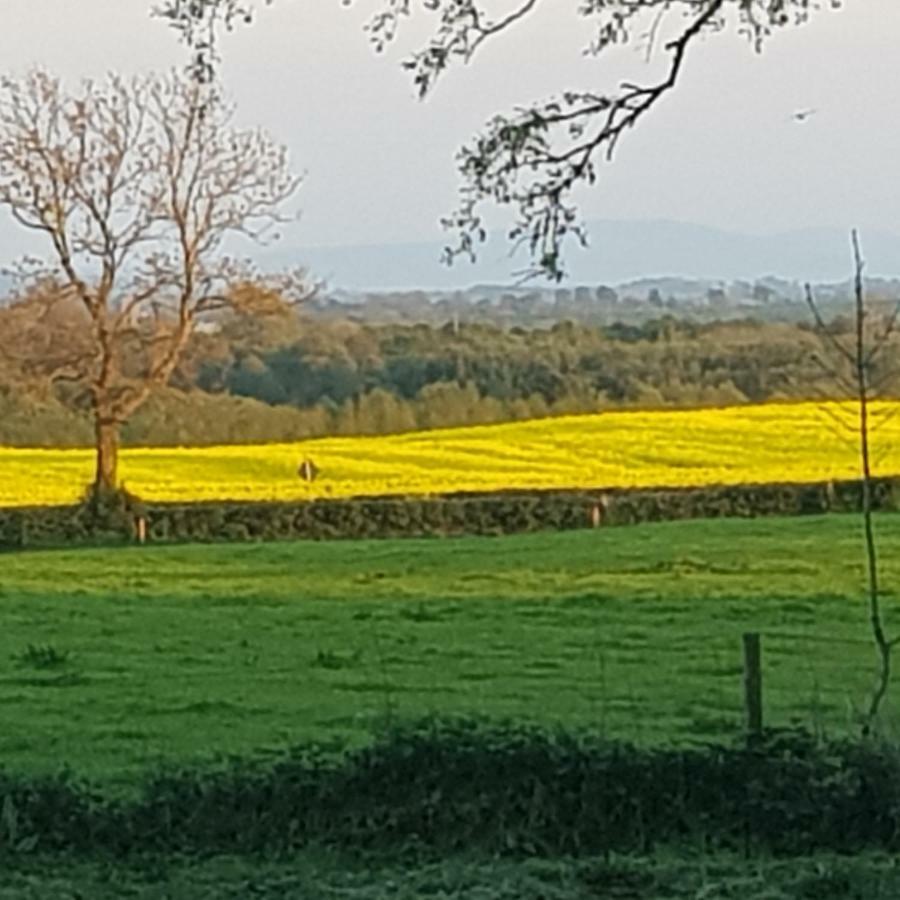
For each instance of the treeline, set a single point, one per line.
(309, 378)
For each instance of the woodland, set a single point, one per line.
(298, 375)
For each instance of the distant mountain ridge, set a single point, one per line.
(620, 251)
(678, 258)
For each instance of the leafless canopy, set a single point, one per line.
(532, 158)
(134, 184)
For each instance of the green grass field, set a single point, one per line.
(112, 660)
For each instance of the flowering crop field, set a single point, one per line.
(750, 444)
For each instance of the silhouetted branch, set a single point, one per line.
(882, 339)
(823, 330)
(534, 157)
(860, 359)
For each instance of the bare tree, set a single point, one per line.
(134, 185)
(532, 158)
(863, 368)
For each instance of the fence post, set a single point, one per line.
(753, 707)
(140, 529)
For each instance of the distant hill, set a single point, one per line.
(677, 258)
(619, 251)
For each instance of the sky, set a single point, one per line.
(722, 151)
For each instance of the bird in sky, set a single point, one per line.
(803, 114)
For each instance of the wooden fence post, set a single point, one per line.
(753, 706)
(598, 511)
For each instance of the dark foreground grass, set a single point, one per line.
(115, 660)
(318, 876)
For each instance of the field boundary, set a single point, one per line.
(455, 514)
(463, 785)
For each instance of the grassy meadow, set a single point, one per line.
(795, 442)
(114, 660)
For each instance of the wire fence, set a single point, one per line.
(687, 689)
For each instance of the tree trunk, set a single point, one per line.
(107, 447)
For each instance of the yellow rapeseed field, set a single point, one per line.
(772, 442)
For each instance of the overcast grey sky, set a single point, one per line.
(722, 151)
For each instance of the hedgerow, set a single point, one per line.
(115, 519)
(456, 786)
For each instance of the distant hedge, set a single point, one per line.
(450, 786)
(451, 514)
